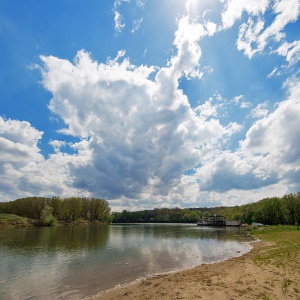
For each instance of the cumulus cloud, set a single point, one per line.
(138, 131)
(207, 109)
(233, 10)
(234, 171)
(18, 143)
(189, 52)
(268, 156)
(136, 136)
(20, 132)
(277, 135)
(140, 135)
(23, 170)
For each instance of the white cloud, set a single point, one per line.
(234, 9)
(253, 35)
(119, 22)
(189, 52)
(119, 17)
(274, 72)
(275, 137)
(248, 34)
(260, 111)
(291, 51)
(137, 136)
(187, 36)
(211, 28)
(140, 135)
(235, 171)
(278, 133)
(207, 109)
(140, 131)
(23, 170)
(245, 104)
(267, 161)
(237, 99)
(57, 145)
(136, 25)
(20, 132)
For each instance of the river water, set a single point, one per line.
(78, 262)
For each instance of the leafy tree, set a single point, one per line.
(292, 203)
(47, 217)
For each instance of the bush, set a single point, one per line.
(47, 218)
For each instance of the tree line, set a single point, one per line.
(71, 208)
(269, 211)
(158, 215)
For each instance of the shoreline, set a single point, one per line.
(158, 275)
(234, 278)
(110, 292)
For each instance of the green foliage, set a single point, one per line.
(283, 253)
(269, 211)
(47, 218)
(10, 220)
(158, 215)
(49, 210)
(30, 207)
(286, 239)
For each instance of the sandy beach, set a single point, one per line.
(244, 277)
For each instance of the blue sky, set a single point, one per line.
(150, 103)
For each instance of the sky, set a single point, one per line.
(150, 103)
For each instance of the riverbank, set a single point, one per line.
(14, 221)
(270, 270)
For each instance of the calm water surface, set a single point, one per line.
(78, 262)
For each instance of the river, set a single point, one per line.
(81, 261)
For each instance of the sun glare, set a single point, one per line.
(198, 7)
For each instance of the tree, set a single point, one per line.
(292, 203)
(75, 207)
(47, 217)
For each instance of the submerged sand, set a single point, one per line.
(236, 278)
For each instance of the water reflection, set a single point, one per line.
(174, 231)
(55, 238)
(74, 262)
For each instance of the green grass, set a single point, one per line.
(285, 248)
(283, 253)
(10, 217)
(9, 220)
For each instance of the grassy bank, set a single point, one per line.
(10, 221)
(284, 248)
(283, 253)
(14, 221)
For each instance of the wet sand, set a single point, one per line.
(236, 278)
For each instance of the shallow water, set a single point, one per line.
(78, 262)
